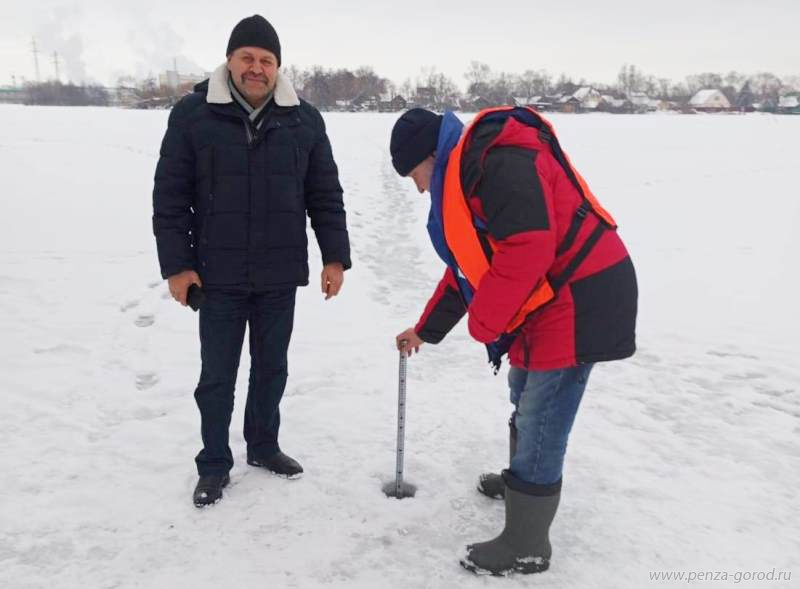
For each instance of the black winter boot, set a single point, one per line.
(524, 545)
(209, 489)
(280, 464)
(490, 483)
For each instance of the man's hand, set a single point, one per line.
(332, 279)
(179, 284)
(411, 339)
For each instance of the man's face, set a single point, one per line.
(254, 72)
(422, 174)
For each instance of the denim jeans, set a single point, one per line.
(545, 406)
(223, 317)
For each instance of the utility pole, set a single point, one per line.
(55, 63)
(176, 79)
(36, 58)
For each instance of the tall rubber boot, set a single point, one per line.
(524, 544)
(491, 484)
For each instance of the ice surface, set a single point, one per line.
(686, 457)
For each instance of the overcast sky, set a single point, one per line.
(102, 40)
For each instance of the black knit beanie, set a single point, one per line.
(255, 31)
(414, 137)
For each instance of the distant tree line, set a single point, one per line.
(763, 85)
(364, 89)
(324, 87)
(56, 93)
(328, 87)
(497, 86)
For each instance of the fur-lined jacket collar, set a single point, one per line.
(219, 93)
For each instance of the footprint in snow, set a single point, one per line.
(732, 354)
(129, 305)
(745, 376)
(146, 380)
(145, 320)
(146, 414)
(786, 408)
(62, 350)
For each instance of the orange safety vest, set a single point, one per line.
(462, 236)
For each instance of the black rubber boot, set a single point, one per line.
(279, 464)
(524, 544)
(491, 483)
(209, 489)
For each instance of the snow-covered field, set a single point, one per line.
(684, 458)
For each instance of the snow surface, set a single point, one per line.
(684, 458)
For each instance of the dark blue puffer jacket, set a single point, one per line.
(231, 202)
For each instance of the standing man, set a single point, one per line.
(538, 266)
(242, 163)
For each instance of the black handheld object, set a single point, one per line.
(195, 297)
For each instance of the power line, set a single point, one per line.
(36, 58)
(55, 63)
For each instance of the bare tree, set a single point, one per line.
(702, 81)
(443, 92)
(500, 88)
(534, 82)
(565, 85)
(735, 79)
(664, 88)
(58, 94)
(296, 75)
(478, 77)
(630, 80)
(317, 89)
(766, 85)
(369, 82)
(407, 89)
(792, 82)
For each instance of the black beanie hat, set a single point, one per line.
(414, 137)
(255, 31)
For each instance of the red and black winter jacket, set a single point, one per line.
(524, 197)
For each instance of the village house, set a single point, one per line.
(788, 105)
(584, 99)
(389, 103)
(474, 103)
(540, 103)
(642, 103)
(522, 100)
(424, 97)
(616, 105)
(343, 105)
(710, 100)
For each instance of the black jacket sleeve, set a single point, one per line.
(173, 197)
(443, 311)
(511, 192)
(324, 202)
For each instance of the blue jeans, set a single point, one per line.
(223, 318)
(545, 406)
